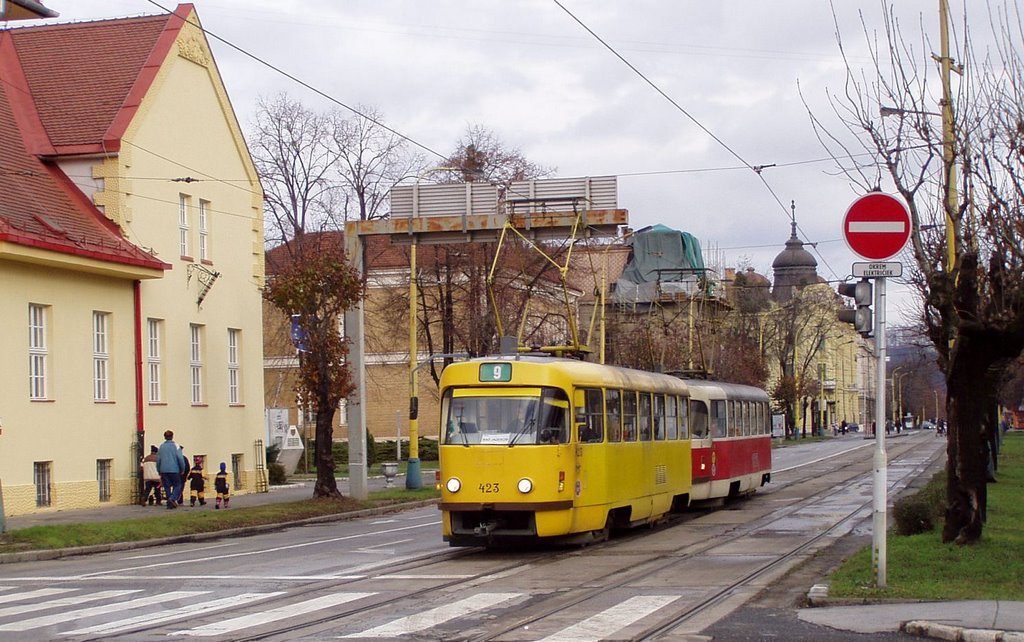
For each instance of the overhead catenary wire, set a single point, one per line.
(674, 103)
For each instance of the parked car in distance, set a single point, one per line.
(927, 425)
(852, 428)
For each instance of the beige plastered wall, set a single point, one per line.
(183, 128)
(69, 428)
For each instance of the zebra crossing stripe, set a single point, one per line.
(59, 602)
(31, 595)
(172, 614)
(69, 616)
(601, 625)
(434, 617)
(273, 615)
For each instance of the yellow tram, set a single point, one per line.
(540, 447)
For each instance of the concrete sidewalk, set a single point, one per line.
(964, 620)
(292, 492)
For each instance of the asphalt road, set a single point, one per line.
(391, 577)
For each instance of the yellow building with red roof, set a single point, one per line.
(131, 258)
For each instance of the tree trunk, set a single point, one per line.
(966, 447)
(326, 484)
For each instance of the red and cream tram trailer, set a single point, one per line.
(541, 447)
(731, 437)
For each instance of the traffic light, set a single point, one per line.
(860, 316)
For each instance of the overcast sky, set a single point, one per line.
(530, 73)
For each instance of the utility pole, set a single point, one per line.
(948, 152)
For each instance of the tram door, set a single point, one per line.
(702, 452)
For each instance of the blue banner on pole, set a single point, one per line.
(298, 334)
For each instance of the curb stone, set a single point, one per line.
(924, 628)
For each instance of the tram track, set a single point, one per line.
(620, 579)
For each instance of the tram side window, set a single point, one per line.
(747, 420)
(732, 420)
(644, 417)
(718, 418)
(762, 418)
(628, 415)
(613, 402)
(698, 419)
(592, 428)
(672, 416)
(659, 417)
(681, 417)
(553, 424)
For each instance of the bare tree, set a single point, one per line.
(480, 155)
(317, 171)
(296, 159)
(371, 161)
(793, 334)
(964, 189)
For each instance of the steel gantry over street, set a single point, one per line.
(537, 210)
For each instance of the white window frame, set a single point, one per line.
(234, 368)
(204, 247)
(42, 477)
(153, 360)
(184, 203)
(101, 356)
(38, 351)
(196, 363)
(104, 468)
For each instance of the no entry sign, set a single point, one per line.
(877, 226)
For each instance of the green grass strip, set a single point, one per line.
(922, 567)
(182, 522)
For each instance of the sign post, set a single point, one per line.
(877, 227)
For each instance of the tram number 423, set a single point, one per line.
(489, 487)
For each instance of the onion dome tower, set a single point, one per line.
(793, 268)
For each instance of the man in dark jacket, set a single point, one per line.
(170, 462)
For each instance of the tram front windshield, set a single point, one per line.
(505, 416)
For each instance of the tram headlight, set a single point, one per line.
(453, 484)
(524, 485)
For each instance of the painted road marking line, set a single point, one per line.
(29, 595)
(602, 625)
(192, 610)
(273, 615)
(69, 616)
(265, 551)
(427, 619)
(397, 576)
(185, 552)
(61, 602)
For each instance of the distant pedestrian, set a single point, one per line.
(170, 462)
(220, 484)
(151, 476)
(197, 482)
(183, 460)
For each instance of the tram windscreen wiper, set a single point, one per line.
(527, 427)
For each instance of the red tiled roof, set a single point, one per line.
(88, 78)
(53, 101)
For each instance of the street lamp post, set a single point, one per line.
(413, 476)
(892, 385)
